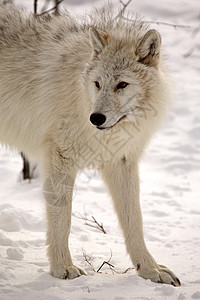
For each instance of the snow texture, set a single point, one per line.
(170, 191)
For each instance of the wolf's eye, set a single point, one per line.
(97, 84)
(122, 85)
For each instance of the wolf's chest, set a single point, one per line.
(104, 146)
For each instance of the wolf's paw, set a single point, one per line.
(160, 274)
(70, 272)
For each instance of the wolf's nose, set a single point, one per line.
(97, 119)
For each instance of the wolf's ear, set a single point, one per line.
(148, 51)
(98, 39)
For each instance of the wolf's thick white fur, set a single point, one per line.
(56, 76)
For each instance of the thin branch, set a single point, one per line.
(122, 11)
(112, 267)
(88, 259)
(196, 31)
(92, 223)
(120, 14)
(99, 225)
(128, 269)
(32, 171)
(35, 6)
(56, 7)
(45, 5)
(192, 49)
(189, 52)
(51, 9)
(124, 272)
(105, 262)
(160, 23)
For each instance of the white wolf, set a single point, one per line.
(80, 95)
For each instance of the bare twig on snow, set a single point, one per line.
(106, 262)
(88, 259)
(92, 223)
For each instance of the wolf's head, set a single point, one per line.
(124, 69)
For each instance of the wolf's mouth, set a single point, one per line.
(104, 128)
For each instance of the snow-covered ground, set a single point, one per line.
(170, 190)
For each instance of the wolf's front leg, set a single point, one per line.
(58, 191)
(122, 180)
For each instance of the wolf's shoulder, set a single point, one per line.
(20, 25)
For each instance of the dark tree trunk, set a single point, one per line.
(26, 168)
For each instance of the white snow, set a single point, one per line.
(170, 190)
